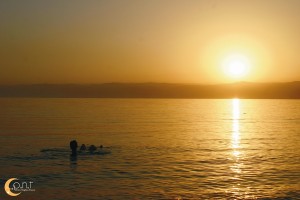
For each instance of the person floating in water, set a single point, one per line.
(73, 146)
(83, 147)
(92, 148)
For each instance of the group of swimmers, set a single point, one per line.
(74, 146)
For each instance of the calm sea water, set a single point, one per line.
(160, 148)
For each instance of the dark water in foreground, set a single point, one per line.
(160, 149)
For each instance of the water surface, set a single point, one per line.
(160, 148)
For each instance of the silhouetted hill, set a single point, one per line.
(289, 90)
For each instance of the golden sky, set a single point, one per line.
(96, 41)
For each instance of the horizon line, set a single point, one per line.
(171, 83)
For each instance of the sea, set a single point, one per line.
(152, 149)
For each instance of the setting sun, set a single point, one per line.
(236, 65)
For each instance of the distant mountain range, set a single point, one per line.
(288, 90)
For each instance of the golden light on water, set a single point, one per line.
(235, 124)
(235, 140)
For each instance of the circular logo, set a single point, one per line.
(8, 189)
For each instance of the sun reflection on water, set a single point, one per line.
(235, 140)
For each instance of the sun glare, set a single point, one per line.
(236, 65)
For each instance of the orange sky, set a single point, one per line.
(147, 41)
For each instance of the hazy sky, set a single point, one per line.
(91, 41)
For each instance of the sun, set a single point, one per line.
(236, 65)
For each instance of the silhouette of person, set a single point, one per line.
(83, 147)
(73, 146)
(92, 148)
